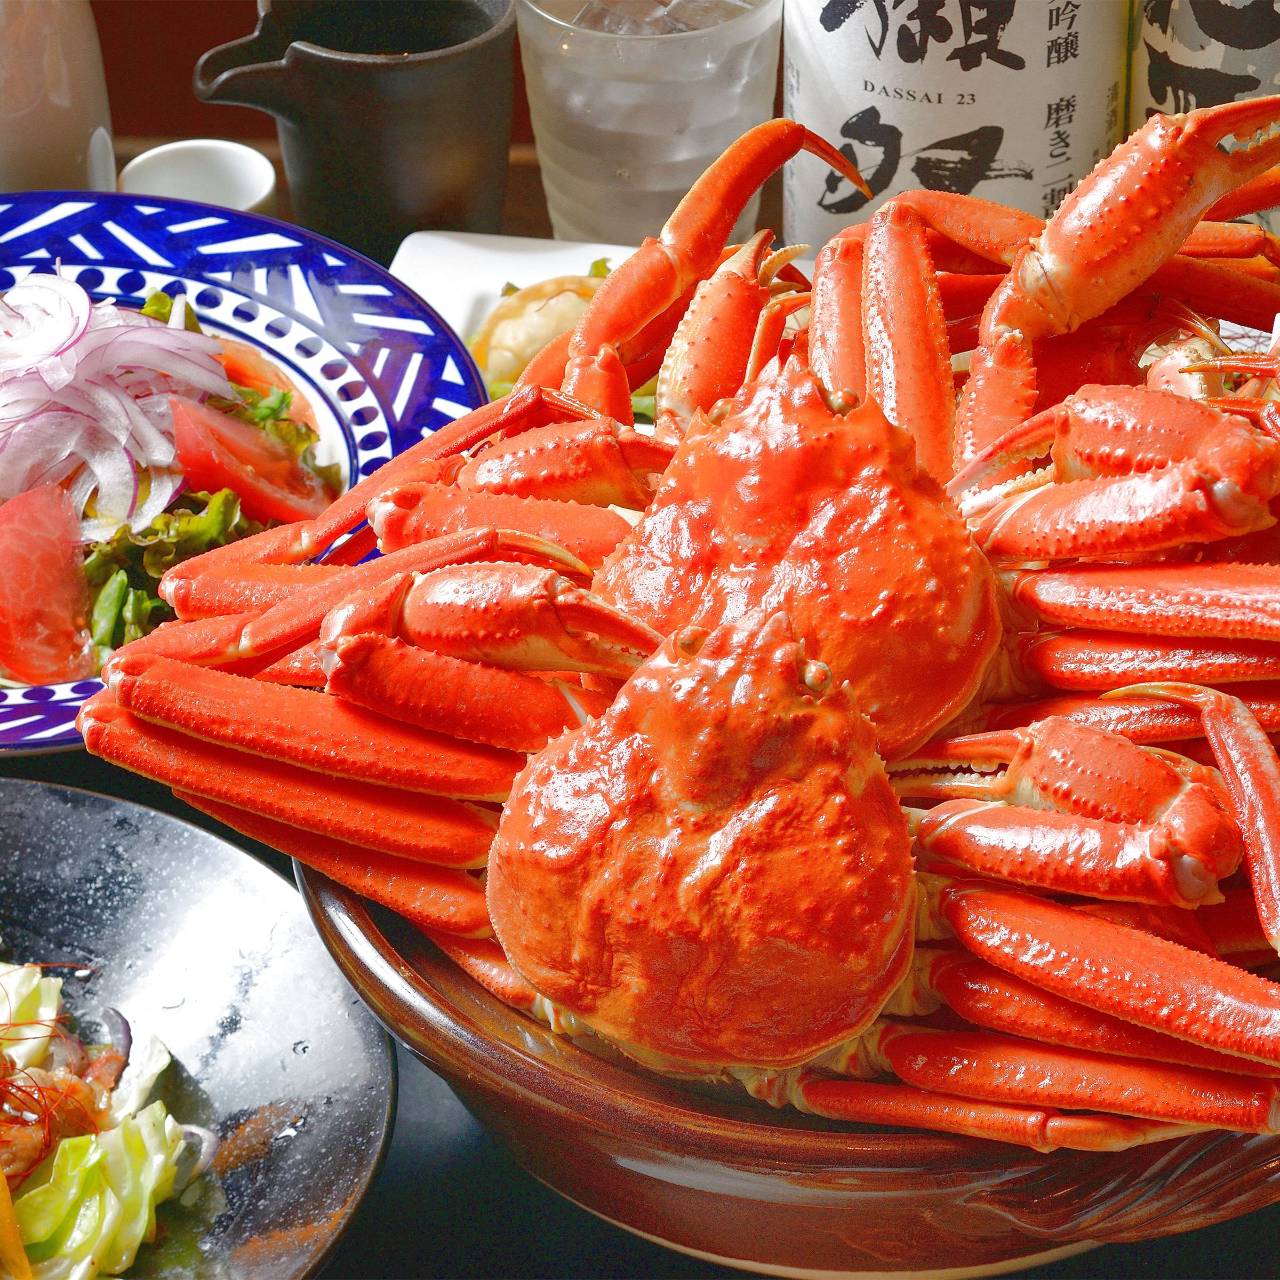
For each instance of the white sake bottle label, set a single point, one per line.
(1012, 100)
(1200, 53)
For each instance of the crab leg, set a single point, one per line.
(1219, 289)
(708, 356)
(770, 336)
(1100, 660)
(641, 356)
(452, 696)
(509, 615)
(1172, 169)
(1086, 259)
(1117, 970)
(1183, 927)
(408, 824)
(483, 959)
(1142, 720)
(1235, 930)
(1216, 600)
(983, 995)
(296, 620)
(1262, 192)
(1136, 470)
(837, 344)
(1035, 1127)
(904, 329)
(254, 588)
(688, 249)
(1148, 835)
(1231, 240)
(415, 513)
(506, 615)
(296, 726)
(1004, 1069)
(431, 897)
(1251, 772)
(595, 462)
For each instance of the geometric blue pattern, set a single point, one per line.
(380, 368)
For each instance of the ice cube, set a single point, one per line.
(628, 18)
(698, 15)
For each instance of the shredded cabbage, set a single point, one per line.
(147, 1060)
(89, 1207)
(32, 1003)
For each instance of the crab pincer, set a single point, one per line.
(1250, 772)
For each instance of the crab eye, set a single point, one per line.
(816, 677)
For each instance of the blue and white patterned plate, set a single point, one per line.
(379, 366)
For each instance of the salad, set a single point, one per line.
(85, 1157)
(129, 440)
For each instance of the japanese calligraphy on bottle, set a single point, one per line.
(1199, 53)
(1015, 100)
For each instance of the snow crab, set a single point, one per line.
(629, 771)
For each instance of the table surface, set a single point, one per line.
(451, 1202)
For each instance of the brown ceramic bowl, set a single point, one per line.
(770, 1191)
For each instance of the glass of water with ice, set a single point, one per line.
(632, 99)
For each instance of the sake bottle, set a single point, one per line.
(1012, 100)
(1200, 53)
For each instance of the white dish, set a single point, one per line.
(462, 273)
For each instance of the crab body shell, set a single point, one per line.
(782, 503)
(715, 871)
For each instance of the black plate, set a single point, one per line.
(203, 946)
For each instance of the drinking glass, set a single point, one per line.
(626, 119)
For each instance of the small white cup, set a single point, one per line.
(211, 170)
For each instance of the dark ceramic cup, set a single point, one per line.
(393, 115)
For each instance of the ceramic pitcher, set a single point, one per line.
(392, 117)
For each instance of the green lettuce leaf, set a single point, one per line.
(89, 1207)
(159, 306)
(123, 571)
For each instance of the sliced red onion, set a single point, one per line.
(84, 400)
(165, 486)
(34, 457)
(66, 1053)
(121, 1034)
(114, 497)
(199, 1146)
(43, 316)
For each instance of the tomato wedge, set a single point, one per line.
(247, 367)
(44, 599)
(218, 452)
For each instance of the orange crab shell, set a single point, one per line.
(714, 872)
(783, 504)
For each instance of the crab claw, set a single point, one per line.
(1251, 772)
(1165, 176)
(715, 870)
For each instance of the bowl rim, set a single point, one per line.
(422, 1017)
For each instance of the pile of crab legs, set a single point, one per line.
(608, 716)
